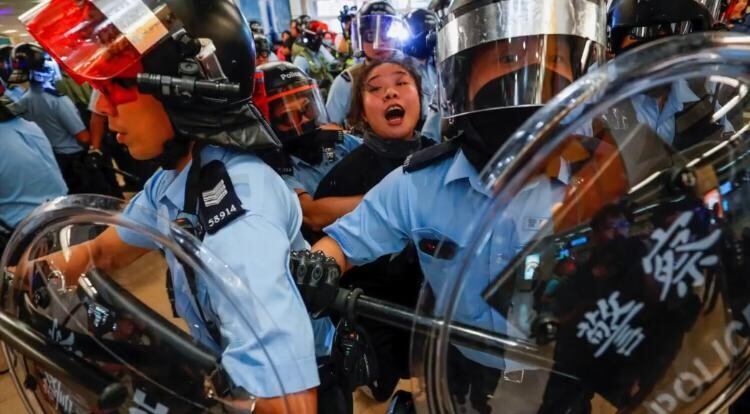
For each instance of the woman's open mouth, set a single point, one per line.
(395, 115)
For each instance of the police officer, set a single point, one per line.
(13, 92)
(291, 102)
(263, 52)
(492, 82)
(314, 59)
(680, 114)
(377, 34)
(297, 25)
(186, 102)
(28, 169)
(54, 113)
(423, 26)
(343, 43)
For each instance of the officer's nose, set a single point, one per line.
(103, 106)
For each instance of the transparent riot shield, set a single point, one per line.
(607, 268)
(137, 334)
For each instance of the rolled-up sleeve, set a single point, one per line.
(264, 324)
(380, 223)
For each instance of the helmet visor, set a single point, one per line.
(297, 110)
(521, 71)
(98, 39)
(383, 32)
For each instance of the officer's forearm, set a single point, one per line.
(322, 212)
(83, 137)
(331, 248)
(97, 127)
(304, 402)
(106, 252)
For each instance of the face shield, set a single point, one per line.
(127, 340)
(602, 265)
(96, 41)
(295, 110)
(380, 32)
(626, 38)
(517, 53)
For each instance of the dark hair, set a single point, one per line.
(356, 116)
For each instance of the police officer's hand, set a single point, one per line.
(317, 277)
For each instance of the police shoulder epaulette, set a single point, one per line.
(346, 75)
(430, 155)
(219, 204)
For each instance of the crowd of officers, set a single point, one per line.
(348, 110)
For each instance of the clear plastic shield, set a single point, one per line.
(604, 265)
(79, 338)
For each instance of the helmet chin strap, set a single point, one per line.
(175, 150)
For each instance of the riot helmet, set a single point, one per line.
(290, 100)
(197, 58)
(300, 23)
(310, 38)
(422, 25)
(256, 27)
(635, 22)
(6, 62)
(29, 59)
(262, 48)
(511, 57)
(378, 31)
(189, 53)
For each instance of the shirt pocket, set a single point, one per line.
(441, 257)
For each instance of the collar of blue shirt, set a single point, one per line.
(461, 169)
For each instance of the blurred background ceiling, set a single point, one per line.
(9, 24)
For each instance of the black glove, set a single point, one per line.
(317, 277)
(94, 159)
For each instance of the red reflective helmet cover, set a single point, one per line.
(97, 40)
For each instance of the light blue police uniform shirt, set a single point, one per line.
(663, 121)
(322, 55)
(339, 99)
(256, 247)
(401, 208)
(308, 176)
(431, 126)
(15, 93)
(272, 57)
(429, 79)
(28, 170)
(56, 115)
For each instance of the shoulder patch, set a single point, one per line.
(347, 75)
(430, 155)
(219, 203)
